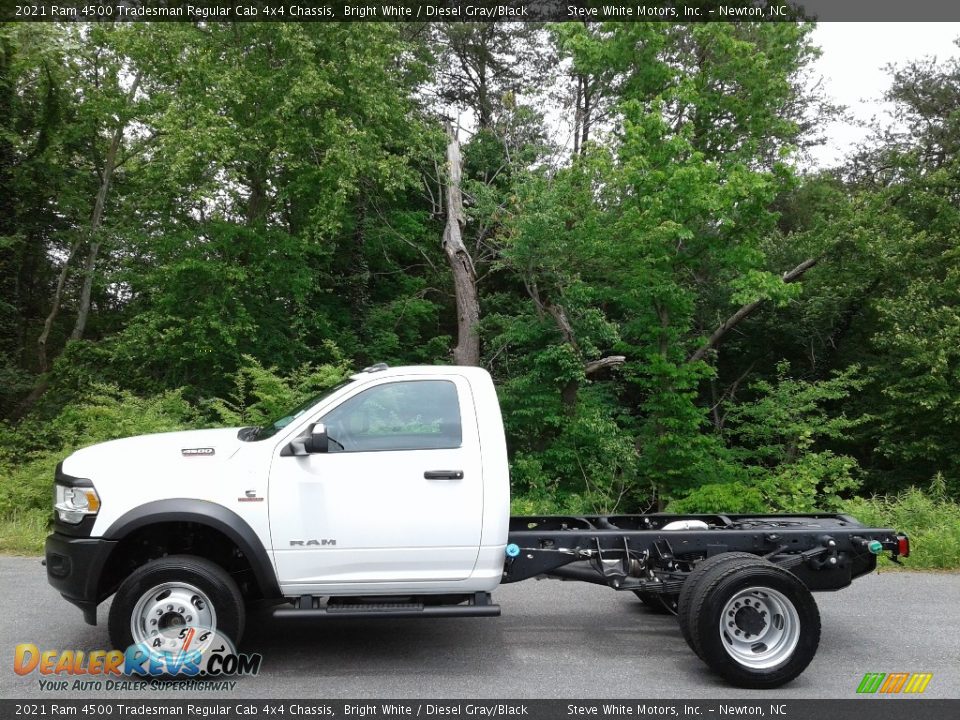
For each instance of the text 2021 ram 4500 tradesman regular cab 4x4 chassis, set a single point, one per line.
(389, 496)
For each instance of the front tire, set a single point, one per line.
(753, 623)
(173, 592)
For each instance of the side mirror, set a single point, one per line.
(317, 441)
(313, 441)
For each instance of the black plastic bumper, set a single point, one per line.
(74, 567)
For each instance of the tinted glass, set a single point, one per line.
(415, 415)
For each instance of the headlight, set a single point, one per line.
(74, 503)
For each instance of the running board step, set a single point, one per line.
(309, 607)
(372, 607)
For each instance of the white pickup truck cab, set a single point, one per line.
(389, 496)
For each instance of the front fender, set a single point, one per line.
(203, 512)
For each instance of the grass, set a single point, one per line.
(23, 532)
(930, 520)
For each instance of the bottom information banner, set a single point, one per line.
(879, 708)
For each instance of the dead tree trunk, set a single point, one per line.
(96, 220)
(467, 351)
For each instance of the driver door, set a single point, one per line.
(398, 496)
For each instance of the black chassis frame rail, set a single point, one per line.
(634, 552)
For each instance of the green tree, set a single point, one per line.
(647, 253)
(277, 155)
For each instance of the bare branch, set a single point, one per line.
(559, 316)
(745, 311)
(594, 366)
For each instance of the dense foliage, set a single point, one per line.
(202, 224)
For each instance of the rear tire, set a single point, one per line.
(705, 567)
(754, 623)
(208, 596)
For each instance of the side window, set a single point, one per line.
(410, 415)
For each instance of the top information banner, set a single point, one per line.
(479, 11)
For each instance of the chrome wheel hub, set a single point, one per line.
(760, 628)
(165, 611)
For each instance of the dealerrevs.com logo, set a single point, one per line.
(206, 658)
(894, 683)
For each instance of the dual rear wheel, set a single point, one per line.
(751, 621)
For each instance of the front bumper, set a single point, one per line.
(74, 567)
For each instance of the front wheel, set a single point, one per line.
(175, 597)
(754, 623)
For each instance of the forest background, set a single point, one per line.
(203, 224)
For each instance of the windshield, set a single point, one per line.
(274, 427)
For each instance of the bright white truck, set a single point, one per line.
(389, 496)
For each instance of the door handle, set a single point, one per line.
(443, 474)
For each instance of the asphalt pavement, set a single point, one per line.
(555, 640)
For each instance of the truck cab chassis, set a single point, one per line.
(388, 496)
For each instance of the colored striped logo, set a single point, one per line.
(890, 683)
